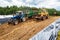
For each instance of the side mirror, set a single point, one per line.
(52, 26)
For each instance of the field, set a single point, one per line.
(24, 30)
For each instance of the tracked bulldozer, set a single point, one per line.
(43, 15)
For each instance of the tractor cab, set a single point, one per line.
(19, 12)
(18, 15)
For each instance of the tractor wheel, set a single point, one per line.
(9, 23)
(24, 19)
(16, 22)
(46, 17)
(42, 18)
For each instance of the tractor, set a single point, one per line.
(17, 18)
(42, 16)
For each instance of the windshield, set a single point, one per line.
(17, 13)
(49, 28)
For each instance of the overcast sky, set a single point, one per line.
(32, 3)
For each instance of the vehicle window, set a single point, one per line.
(17, 13)
(56, 26)
(52, 26)
(58, 22)
(49, 28)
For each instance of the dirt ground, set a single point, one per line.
(24, 30)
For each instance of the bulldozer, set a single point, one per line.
(43, 15)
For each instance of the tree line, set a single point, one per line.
(10, 10)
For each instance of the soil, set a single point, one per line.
(24, 30)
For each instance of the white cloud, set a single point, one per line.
(4, 3)
(49, 4)
(28, 1)
(32, 3)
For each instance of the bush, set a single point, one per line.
(58, 37)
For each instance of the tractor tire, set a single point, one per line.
(16, 22)
(24, 19)
(46, 17)
(42, 18)
(9, 23)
